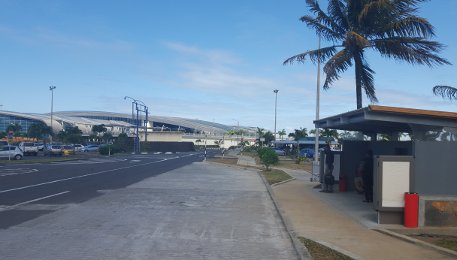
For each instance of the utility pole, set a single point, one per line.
(316, 139)
(276, 105)
(51, 88)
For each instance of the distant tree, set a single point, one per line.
(326, 133)
(299, 134)
(3, 135)
(445, 92)
(346, 135)
(98, 129)
(15, 128)
(107, 137)
(269, 137)
(282, 133)
(70, 135)
(38, 131)
(123, 143)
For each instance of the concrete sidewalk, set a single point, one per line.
(342, 222)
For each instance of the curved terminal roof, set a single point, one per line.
(122, 120)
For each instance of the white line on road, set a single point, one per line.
(34, 200)
(86, 175)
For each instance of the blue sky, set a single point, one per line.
(212, 60)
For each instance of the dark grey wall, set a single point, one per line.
(354, 151)
(435, 167)
(168, 146)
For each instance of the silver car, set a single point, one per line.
(12, 152)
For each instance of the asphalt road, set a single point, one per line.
(59, 183)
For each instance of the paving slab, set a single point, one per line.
(341, 221)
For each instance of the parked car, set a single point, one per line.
(28, 148)
(53, 149)
(10, 151)
(91, 148)
(68, 150)
(307, 152)
(40, 146)
(280, 151)
(3, 143)
(78, 147)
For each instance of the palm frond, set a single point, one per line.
(339, 63)
(326, 32)
(323, 18)
(321, 54)
(445, 92)
(411, 49)
(368, 82)
(336, 11)
(412, 26)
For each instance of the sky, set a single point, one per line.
(214, 60)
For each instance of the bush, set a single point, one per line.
(267, 156)
(105, 149)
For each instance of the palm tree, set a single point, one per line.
(282, 133)
(445, 92)
(390, 27)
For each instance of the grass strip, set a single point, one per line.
(447, 243)
(321, 252)
(274, 176)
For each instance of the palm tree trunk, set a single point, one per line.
(358, 80)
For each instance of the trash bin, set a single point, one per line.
(342, 184)
(411, 211)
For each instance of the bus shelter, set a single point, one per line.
(425, 163)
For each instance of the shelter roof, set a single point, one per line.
(384, 119)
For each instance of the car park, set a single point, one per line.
(91, 148)
(68, 150)
(53, 149)
(11, 151)
(280, 151)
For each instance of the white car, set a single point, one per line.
(78, 147)
(12, 152)
(28, 148)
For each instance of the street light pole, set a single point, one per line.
(139, 106)
(276, 104)
(316, 166)
(51, 88)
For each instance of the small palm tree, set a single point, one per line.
(390, 27)
(446, 92)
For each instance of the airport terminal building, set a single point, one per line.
(116, 123)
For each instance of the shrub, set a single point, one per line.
(105, 150)
(267, 156)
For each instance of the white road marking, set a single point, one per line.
(89, 174)
(16, 171)
(30, 201)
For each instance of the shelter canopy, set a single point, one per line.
(384, 119)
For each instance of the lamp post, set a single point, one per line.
(276, 104)
(139, 106)
(316, 166)
(51, 88)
